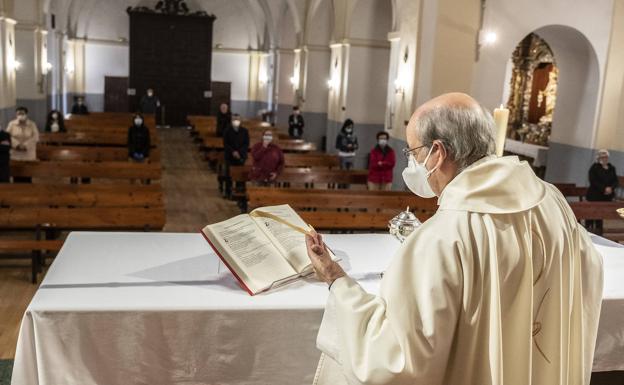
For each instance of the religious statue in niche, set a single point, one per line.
(533, 91)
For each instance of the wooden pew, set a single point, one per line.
(110, 117)
(46, 207)
(343, 209)
(297, 175)
(89, 195)
(102, 170)
(570, 190)
(83, 218)
(287, 145)
(88, 154)
(596, 210)
(89, 138)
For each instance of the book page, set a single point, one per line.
(249, 252)
(291, 243)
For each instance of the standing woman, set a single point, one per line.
(24, 137)
(55, 122)
(380, 164)
(138, 140)
(224, 119)
(603, 181)
(347, 145)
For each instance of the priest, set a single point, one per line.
(500, 286)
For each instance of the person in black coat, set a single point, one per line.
(55, 122)
(79, 107)
(149, 103)
(603, 181)
(295, 124)
(5, 156)
(224, 119)
(347, 145)
(235, 146)
(138, 140)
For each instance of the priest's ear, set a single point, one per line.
(440, 151)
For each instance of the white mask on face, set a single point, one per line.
(235, 123)
(54, 127)
(150, 94)
(416, 177)
(267, 138)
(138, 121)
(55, 116)
(383, 142)
(21, 117)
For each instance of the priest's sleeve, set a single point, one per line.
(404, 334)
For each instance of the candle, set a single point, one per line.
(501, 117)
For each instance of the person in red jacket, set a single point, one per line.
(268, 160)
(380, 164)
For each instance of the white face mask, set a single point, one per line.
(235, 123)
(150, 94)
(267, 138)
(416, 177)
(383, 142)
(21, 117)
(54, 127)
(138, 121)
(55, 116)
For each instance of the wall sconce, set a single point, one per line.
(294, 80)
(48, 66)
(400, 83)
(332, 83)
(263, 78)
(69, 69)
(487, 38)
(16, 65)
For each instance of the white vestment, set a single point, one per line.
(501, 286)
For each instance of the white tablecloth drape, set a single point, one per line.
(141, 308)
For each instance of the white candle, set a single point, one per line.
(501, 117)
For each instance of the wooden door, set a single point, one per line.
(220, 94)
(172, 54)
(115, 94)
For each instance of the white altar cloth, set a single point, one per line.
(157, 308)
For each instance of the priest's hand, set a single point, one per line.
(326, 270)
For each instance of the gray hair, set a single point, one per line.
(466, 132)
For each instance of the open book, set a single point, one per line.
(263, 249)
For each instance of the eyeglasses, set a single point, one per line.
(408, 151)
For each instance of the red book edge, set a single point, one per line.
(240, 281)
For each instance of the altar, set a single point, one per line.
(159, 308)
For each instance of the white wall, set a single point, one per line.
(104, 60)
(368, 79)
(234, 68)
(316, 83)
(26, 83)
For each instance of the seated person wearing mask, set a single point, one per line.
(380, 164)
(295, 124)
(268, 160)
(55, 122)
(24, 138)
(235, 146)
(79, 107)
(224, 119)
(5, 156)
(347, 145)
(138, 140)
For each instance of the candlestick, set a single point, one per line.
(501, 117)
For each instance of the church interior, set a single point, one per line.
(130, 125)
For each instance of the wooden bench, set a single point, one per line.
(300, 175)
(88, 154)
(103, 170)
(89, 138)
(343, 209)
(570, 190)
(287, 145)
(89, 195)
(34, 247)
(600, 211)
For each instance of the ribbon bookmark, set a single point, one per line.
(264, 214)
